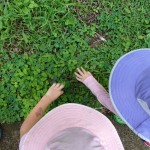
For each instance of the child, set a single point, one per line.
(67, 127)
(98, 90)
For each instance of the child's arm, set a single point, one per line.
(37, 112)
(96, 88)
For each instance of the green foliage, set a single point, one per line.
(45, 41)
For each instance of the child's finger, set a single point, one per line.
(79, 76)
(79, 70)
(79, 79)
(89, 73)
(61, 87)
(83, 70)
(57, 85)
(54, 84)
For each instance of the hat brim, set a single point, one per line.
(72, 115)
(122, 83)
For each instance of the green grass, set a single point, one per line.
(44, 41)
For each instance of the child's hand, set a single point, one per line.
(54, 91)
(82, 74)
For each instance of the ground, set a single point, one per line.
(45, 41)
(11, 137)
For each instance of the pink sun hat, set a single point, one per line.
(72, 127)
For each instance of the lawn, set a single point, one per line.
(44, 41)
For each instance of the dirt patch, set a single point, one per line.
(88, 15)
(10, 139)
(129, 139)
(97, 40)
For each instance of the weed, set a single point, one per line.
(45, 41)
